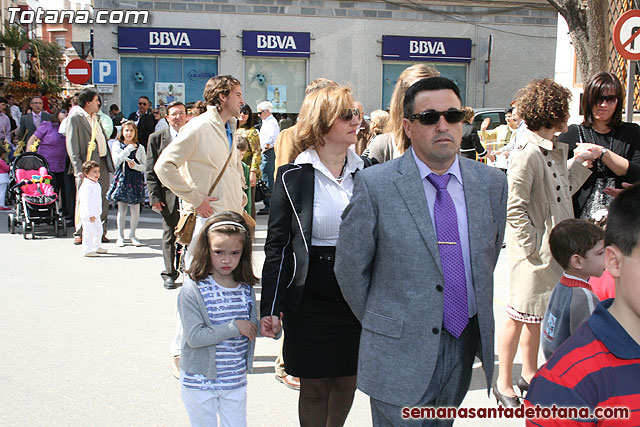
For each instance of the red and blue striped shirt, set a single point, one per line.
(597, 367)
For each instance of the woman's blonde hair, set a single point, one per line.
(408, 77)
(468, 114)
(319, 110)
(135, 128)
(379, 121)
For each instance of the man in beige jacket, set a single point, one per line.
(192, 162)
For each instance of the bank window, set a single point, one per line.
(278, 80)
(139, 75)
(392, 70)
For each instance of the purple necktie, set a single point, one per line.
(456, 308)
(36, 120)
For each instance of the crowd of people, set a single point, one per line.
(383, 236)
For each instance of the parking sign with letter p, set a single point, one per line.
(105, 71)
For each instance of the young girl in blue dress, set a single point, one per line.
(127, 187)
(217, 308)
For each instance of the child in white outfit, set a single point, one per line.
(90, 209)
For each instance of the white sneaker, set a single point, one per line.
(92, 254)
(135, 242)
(120, 243)
(102, 250)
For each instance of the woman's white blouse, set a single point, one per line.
(330, 196)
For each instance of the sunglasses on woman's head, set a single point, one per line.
(431, 117)
(609, 99)
(348, 115)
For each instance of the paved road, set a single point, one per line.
(85, 341)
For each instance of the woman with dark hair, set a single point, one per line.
(470, 144)
(541, 183)
(298, 283)
(253, 156)
(616, 143)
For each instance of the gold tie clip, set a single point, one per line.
(447, 243)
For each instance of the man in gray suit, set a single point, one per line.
(80, 128)
(161, 198)
(415, 258)
(29, 122)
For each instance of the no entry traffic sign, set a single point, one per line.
(626, 35)
(78, 71)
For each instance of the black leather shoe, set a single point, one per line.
(169, 283)
(506, 401)
(263, 211)
(523, 385)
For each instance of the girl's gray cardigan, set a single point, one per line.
(200, 336)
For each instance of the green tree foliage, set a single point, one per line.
(50, 56)
(14, 37)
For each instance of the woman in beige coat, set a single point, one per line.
(541, 183)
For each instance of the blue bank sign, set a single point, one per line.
(168, 40)
(401, 48)
(276, 43)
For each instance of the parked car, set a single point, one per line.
(495, 114)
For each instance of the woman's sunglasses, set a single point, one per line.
(348, 115)
(431, 117)
(609, 99)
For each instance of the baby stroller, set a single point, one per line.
(35, 198)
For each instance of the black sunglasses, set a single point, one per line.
(609, 99)
(431, 117)
(348, 115)
(142, 103)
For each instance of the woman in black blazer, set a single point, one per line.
(298, 283)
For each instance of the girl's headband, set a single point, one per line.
(221, 223)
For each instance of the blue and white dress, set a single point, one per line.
(224, 305)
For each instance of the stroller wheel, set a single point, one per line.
(56, 227)
(33, 230)
(24, 229)
(11, 224)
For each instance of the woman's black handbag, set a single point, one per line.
(262, 191)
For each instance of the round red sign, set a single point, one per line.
(626, 32)
(78, 71)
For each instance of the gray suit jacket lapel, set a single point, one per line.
(411, 189)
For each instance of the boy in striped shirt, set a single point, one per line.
(598, 367)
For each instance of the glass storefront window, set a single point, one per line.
(279, 80)
(392, 70)
(139, 75)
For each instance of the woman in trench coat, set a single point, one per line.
(541, 183)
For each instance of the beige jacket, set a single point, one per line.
(191, 163)
(540, 190)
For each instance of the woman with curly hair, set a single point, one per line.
(617, 144)
(541, 183)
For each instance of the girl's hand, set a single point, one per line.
(247, 328)
(252, 179)
(131, 163)
(270, 326)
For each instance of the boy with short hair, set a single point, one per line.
(578, 246)
(90, 199)
(599, 365)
